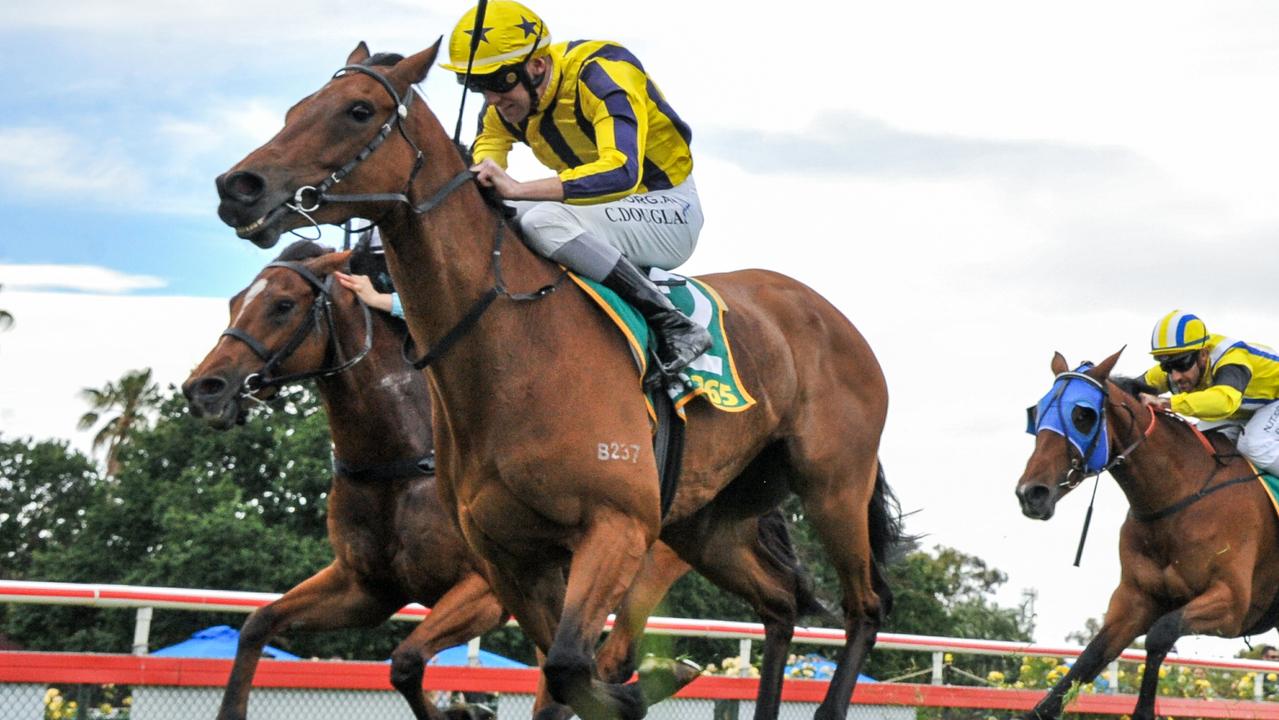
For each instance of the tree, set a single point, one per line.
(131, 397)
(45, 488)
(191, 507)
(6, 317)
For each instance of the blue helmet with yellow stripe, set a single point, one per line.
(1176, 333)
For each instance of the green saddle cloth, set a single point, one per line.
(713, 376)
(1271, 484)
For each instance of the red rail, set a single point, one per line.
(76, 668)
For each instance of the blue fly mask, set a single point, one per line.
(1075, 409)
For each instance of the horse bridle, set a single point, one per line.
(321, 315)
(308, 198)
(1077, 467)
(320, 194)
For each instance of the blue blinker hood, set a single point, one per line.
(1053, 413)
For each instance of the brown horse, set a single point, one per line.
(393, 540)
(526, 393)
(1197, 549)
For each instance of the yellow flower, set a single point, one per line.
(995, 676)
(1272, 677)
(948, 658)
(1163, 672)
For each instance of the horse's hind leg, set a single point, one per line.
(467, 610)
(752, 558)
(329, 600)
(837, 493)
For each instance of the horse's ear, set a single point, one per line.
(358, 55)
(1102, 371)
(413, 69)
(1059, 364)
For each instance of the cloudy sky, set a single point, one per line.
(974, 184)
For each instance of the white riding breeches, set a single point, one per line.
(1257, 437)
(652, 229)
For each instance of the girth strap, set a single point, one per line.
(394, 470)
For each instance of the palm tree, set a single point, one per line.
(131, 396)
(6, 317)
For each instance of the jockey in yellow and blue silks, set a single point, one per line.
(1230, 384)
(623, 193)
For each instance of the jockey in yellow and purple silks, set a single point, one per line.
(1230, 384)
(623, 193)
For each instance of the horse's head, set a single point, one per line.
(293, 322)
(1071, 435)
(346, 133)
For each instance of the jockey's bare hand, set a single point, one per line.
(490, 174)
(1154, 401)
(363, 289)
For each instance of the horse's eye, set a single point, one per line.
(360, 111)
(1084, 419)
(283, 306)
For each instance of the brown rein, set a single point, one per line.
(1204, 490)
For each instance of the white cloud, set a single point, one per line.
(49, 162)
(84, 278)
(64, 342)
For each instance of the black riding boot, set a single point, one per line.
(680, 340)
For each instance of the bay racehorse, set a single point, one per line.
(394, 541)
(529, 380)
(1197, 549)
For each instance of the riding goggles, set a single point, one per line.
(1179, 363)
(504, 80)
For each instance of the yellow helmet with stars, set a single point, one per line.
(1177, 332)
(509, 35)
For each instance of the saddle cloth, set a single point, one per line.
(712, 376)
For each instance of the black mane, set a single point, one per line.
(302, 250)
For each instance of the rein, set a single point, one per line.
(319, 194)
(1204, 490)
(321, 315)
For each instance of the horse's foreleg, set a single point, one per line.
(615, 662)
(536, 597)
(1129, 615)
(329, 600)
(1159, 640)
(1219, 611)
(467, 610)
(605, 561)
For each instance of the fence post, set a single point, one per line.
(744, 657)
(1259, 686)
(141, 630)
(1113, 687)
(938, 665)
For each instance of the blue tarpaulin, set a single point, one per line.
(218, 641)
(456, 657)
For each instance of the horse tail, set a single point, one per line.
(774, 536)
(886, 535)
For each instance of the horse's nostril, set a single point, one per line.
(1033, 494)
(243, 186)
(206, 388)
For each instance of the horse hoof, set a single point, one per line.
(474, 711)
(660, 678)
